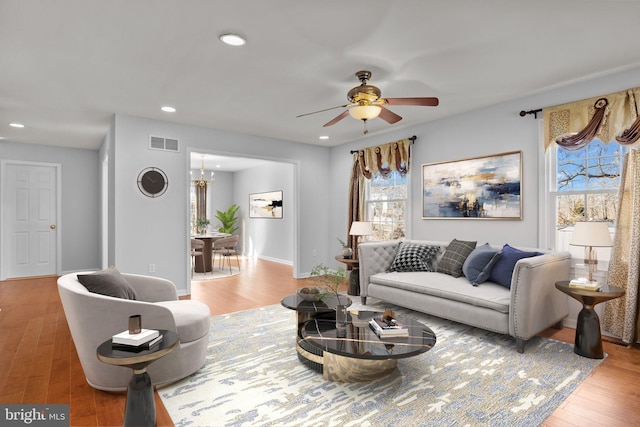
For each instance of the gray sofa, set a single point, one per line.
(94, 318)
(530, 306)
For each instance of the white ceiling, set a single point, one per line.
(67, 66)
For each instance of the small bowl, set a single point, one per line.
(312, 296)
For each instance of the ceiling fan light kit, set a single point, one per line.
(365, 112)
(366, 103)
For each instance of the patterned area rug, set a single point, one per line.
(252, 377)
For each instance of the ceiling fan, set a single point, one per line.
(366, 103)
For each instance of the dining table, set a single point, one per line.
(204, 263)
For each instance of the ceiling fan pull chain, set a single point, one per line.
(366, 131)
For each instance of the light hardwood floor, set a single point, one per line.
(40, 365)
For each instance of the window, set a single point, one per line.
(386, 206)
(583, 187)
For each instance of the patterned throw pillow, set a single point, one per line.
(455, 256)
(414, 257)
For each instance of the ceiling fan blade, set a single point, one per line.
(326, 109)
(389, 116)
(344, 114)
(425, 102)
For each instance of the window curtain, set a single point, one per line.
(366, 164)
(621, 314)
(609, 117)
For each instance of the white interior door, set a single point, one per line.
(30, 219)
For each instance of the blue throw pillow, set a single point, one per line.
(479, 264)
(503, 269)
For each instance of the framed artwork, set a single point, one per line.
(487, 187)
(266, 205)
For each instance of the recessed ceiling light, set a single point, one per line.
(324, 137)
(16, 125)
(232, 39)
(168, 109)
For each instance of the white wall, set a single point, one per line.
(268, 238)
(155, 231)
(488, 131)
(144, 231)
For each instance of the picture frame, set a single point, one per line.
(487, 187)
(266, 205)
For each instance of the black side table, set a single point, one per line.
(141, 407)
(588, 341)
(354, 276)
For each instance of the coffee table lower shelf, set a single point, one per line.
(334, 367)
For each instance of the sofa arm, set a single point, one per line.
(374, 258)
(536, 304)
(152, 289)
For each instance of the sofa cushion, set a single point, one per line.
(191, 317)
(108, 282)
(489, 295)
(503, 269)
(479, 263)
(454, 257)
(414, 257)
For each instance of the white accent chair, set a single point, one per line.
(94, 318)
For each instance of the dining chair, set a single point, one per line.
(197, 250)
(224, 248)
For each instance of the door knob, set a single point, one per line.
(52, 226)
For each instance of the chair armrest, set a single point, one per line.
(374, 258)
(536, 304)
(152, 289)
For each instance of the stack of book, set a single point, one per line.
(584, 284)
(146, 339)
(384, 329)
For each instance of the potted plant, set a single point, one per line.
(228, 219)
(347, 252)
(202, 223)
(332, 281)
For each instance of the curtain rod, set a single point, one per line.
(411, 138)
(534, 112)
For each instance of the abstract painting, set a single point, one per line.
(487, 187)
(265, 205)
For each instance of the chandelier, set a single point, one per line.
(202, 181)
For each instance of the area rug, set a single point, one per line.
(252, 377)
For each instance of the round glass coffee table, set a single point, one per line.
(360, 355)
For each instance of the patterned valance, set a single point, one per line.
(607, 118)
(385, 158)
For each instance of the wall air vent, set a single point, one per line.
(165, 144)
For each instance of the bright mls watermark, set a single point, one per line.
(34, 415)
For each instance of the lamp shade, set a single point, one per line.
(361, 228)
(591, 234)
(365, 112)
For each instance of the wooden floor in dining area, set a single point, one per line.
(40, 365)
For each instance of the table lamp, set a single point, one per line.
(359, 228)
(591, 235)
